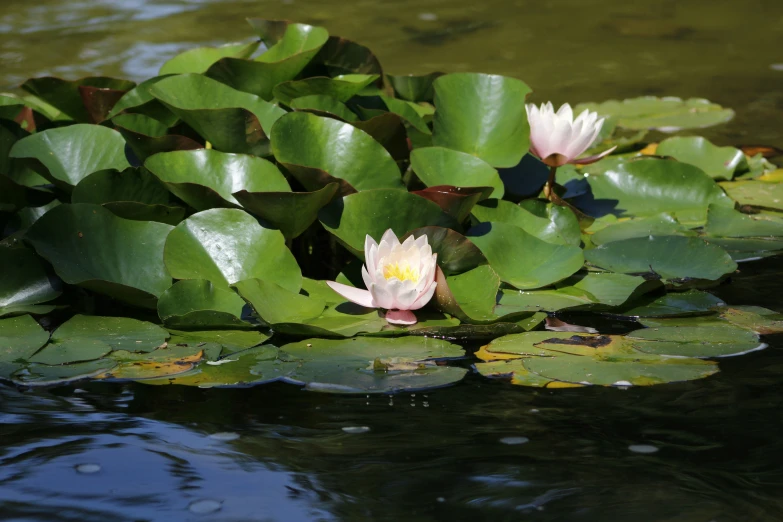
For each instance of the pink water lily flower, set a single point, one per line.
(557, 138)
(399, 277)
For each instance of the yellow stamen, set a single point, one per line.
(401, 272)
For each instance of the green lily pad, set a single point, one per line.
(414, 88)
(697, 341)
(442, 166)
(225, 246)
(523, 260)
(726, 222)
(342, 88)
(562, 359)
(231, 340)
(457, 202)
(582, 290)
(666, 114)
(275, 304)
(69, 154)
(71, 351)
(372, 365)
(25, 283)
(754, 318)
(674, 304)
(231, 120)
(119, 333)
(375, 211)
(207, 179)
(747, 248)
(291, 212)
(409, 112)
(323, 105)
(661, 225)
(339, 149)
(70, 98)
(470, 296)
(716, 162)
(342, 56)
(483, 115)
(671, 257)
(456, 253)
(20, 338)
(45, 375)
(755, 193)
(650, 186)
(89, 246)
(160, 363)
(199, 304)
(198, 60)
(557, 225)
(140, 100)
(254, 366)
(146, 136)
(283, 61)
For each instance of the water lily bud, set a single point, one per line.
(400, 277)
(557, 138)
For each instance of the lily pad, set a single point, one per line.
(523, 260)
(456, 253)
(755, 193)
(323, 105)
(337, 148)
(69, 154)
(46, 375)
(119, 333)
(161, 363)
(342, 88)
(414, 88)
(199, 304)
(231, 120)
(661, 225)
(747, 248)
(716, 162)
(558, 225)
(372, 365)
(283, 61)
(675, 304)
(140, 100)
(470, 296)
(207, 179)
(291, 212)
(483, 115)
(71, 351)
(225, 246)
(89, 246)
(726, 222)
(147, 137)
(198, 60)
(671, 257)
(25, 283)
(697, 341)
(254, 366)
(668, 114)
(69, 96)
(650, 186)
(230, 340)
(442, 166)
(562, 359)
(275, 304)
(375, 211)
(20, 338)
(457, 202)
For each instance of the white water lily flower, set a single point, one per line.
(557, 138)
(399, 277)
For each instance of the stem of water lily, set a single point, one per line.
(549, 188)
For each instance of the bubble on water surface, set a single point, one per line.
(511, 441)
(356, 429)
(224, 436)
(88, 469)
(202, 507)
(642, 448)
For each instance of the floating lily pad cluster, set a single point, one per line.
(179, 230)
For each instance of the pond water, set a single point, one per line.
(702, 451)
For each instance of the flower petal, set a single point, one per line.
(424, 297)
(355, 295)
(593, 158)
(403, 317)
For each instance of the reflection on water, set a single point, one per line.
(567, 50)
(481, 450)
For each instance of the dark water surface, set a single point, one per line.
(480, 450)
